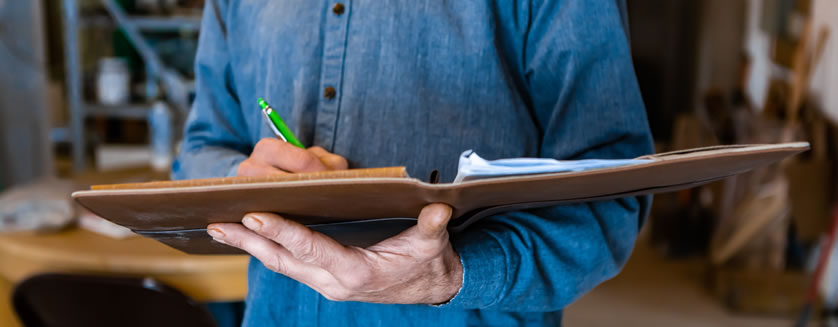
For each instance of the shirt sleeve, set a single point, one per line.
(215, 134)
(584, 97)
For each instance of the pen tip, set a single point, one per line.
(262, 103)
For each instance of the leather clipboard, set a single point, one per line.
(363, 210)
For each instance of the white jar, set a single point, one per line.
(113, 83)
(161, 134)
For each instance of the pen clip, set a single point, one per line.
(273, 128)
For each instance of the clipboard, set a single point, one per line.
(363, 206)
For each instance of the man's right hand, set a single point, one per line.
(273, 156)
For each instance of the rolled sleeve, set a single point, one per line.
(215, 136)
(484, 271)
(586, 103)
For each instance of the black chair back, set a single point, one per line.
(59, 300)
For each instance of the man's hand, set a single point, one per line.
(417, 266)
(273, 156)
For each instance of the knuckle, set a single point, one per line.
(308, 161)
(357, 280)
(265, 145)
(244, 168)
(250, 167)
(425, 250)
(339, 162)
(260, 146)
(237, 242)
(275, 264)
(294, 239)
(272, 228)
(306, 250)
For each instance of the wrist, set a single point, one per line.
(452, 280)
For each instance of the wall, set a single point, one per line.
(24, 145)
(825, 78)
(824, 85)
(758, 47)
(719, 45)
(663, 45)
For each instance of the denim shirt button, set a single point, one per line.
(329, 93)
(338, 9)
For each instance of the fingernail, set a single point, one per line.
(252, 222)
(215, 233)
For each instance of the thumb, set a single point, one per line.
(433, 220)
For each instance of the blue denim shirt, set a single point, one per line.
(416, 83)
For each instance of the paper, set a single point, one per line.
(473, 167)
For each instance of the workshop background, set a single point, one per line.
(96, 91)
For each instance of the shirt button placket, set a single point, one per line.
(331, 73)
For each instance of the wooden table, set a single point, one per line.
(204, 278)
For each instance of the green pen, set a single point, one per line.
(277, 125)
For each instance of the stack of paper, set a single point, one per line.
(473, 166)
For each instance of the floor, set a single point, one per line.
(652, 291)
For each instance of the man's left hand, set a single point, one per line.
(417, 266)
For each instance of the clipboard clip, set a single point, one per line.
(434, 178)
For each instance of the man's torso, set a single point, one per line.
(409, 77)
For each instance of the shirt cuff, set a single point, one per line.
(484, 271)
(234, 169)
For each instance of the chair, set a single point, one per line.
(57, 300)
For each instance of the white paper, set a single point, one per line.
(473, 167)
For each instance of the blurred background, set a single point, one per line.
(96, 91)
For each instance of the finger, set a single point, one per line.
(286, 156)
(271, 254)
(331, 160)
(433, 221)
(255, 168)
(304, 244)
